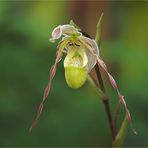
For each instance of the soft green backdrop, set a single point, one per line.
(70, 117)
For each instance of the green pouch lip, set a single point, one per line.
(75, 76)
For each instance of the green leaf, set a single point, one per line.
(121, 134)
(98, 31)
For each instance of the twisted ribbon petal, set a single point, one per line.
(101, 63)
(48, 87)
(114, 85)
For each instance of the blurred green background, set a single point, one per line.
(70, 117)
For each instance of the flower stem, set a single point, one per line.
(99, 78)
(116, 115)
(105, 102)
(108, 112)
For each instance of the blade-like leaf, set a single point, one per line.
(98, 31)
(121, 134)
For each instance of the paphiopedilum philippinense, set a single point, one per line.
(82, 54)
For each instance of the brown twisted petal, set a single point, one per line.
(114, 85)
(112, 81)
(46, 92)
(48, 87)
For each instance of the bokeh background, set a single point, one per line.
(70, 117)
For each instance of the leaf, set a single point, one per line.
(121, 134)
(98, 31)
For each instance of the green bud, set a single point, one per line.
(75, 67)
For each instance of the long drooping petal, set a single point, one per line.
(111, 79)
(114, 85)
(48, 87)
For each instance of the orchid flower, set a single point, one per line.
(82, 54)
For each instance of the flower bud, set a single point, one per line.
(75, 68)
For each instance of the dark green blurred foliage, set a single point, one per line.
(70, 117)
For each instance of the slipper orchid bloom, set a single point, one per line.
(82, 54)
